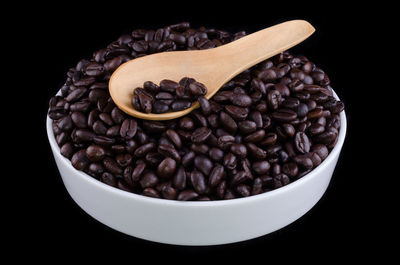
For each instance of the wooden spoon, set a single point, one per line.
(212, 67)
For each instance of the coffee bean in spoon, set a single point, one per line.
(170, 96)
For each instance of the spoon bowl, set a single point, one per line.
(212, 67)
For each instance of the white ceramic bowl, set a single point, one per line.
(196, 223)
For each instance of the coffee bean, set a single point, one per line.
(261, 167)
(170, 151)
(109, 179)
(128, 129)
(123, 160)
(166, 168)
(144, 149)
(180, 104)
(197, 89)
(203, 164)
(270, 125)
(179, 180)
(79, 160)
(302, 143)
(239, 150)
(150, 192)
(256, 152)
(321, 150)
(187, 195)
(204, 105)
(303, 161)
(198, 182)
(67, 150)
(95, 153)
(254, 137)
(227, 122)
(200, 135)
(281, 180)
(149, 180)
(284, 115)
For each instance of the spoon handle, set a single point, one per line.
(261, 45)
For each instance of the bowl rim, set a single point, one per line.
(160, 201)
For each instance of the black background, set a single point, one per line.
(340, 225)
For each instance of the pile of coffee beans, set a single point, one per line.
(266, 128)
(168, 96)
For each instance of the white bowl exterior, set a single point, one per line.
(196, 223)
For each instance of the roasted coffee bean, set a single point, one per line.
(247, 127)
(216, 176)
(123, 160)
(257, 186)
(137, 172)
(230, 161)
(204, 105)
(62, 138)
(174, 137)
(95, 153)
(112, 166)
(237, 113)
(227, 122)
(216, 154)
(239, 177)
(128, 129)
(200, 148)
(269, 139)
(243, 190)
(79, 160)
(186, 123)
(109, 179)
(99, 127)
(144, 149)
(315, 129)
(239, 150)
(316, 160)
(66, 123)
(261, 167)
(256, 152)
(179, 179)
(197, 89)
(188, 159)
(149, 180)
(67, 150)
(304, 161)
(170, 151)
(302, 143)
(168, 85)
(203, 164)
(281, 180)
(284, 115)
(166, 168)
(150, 192)
(96, 169)
(254, 137)
(290, 169)
(321, 150)
(160, 107)
(187, 195)
(200, 135)
(198, 182)
(241, 100)
(76, 94)
(180, 104)
(273, 99)
(103, 140)
(270, 125)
